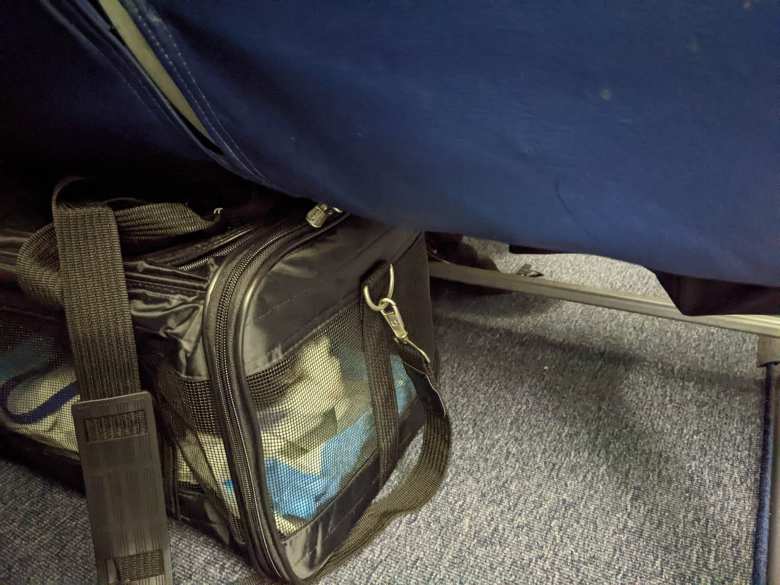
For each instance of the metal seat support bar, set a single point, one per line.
(655, 307)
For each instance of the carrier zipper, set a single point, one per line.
(236, 434)
(238, 239)
(185, 258)
(316, 218)
(222, 346)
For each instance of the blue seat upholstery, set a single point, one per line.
(646, 132)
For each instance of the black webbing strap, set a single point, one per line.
(114, 420)
(152, 222)
(77, 263)
(426, 477)
(94, 296)
(413, 493)
(380, 381)
(419, 486)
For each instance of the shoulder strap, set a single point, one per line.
(418, 487)
(426, 477)
(77, 263)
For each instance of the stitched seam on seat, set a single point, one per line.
(212, 120)
(175, 71)
(92, 40)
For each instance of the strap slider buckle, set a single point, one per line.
(120, 459)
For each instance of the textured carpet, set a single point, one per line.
(592, 447)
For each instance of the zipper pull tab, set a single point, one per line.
(319, 214)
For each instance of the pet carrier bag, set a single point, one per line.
(284, 357)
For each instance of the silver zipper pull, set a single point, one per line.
(389, 310)
(319, 214)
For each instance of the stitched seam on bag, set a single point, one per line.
(134, 282)
(128, 71)
(276, 307)
(220, 131)
(196, 248)
(322, 320)
(153, 100)
(109, 53)
(192, 379)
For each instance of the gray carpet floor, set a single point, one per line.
(591, 447)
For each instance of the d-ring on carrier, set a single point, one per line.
(388, 308)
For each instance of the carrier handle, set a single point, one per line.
(38, 265)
